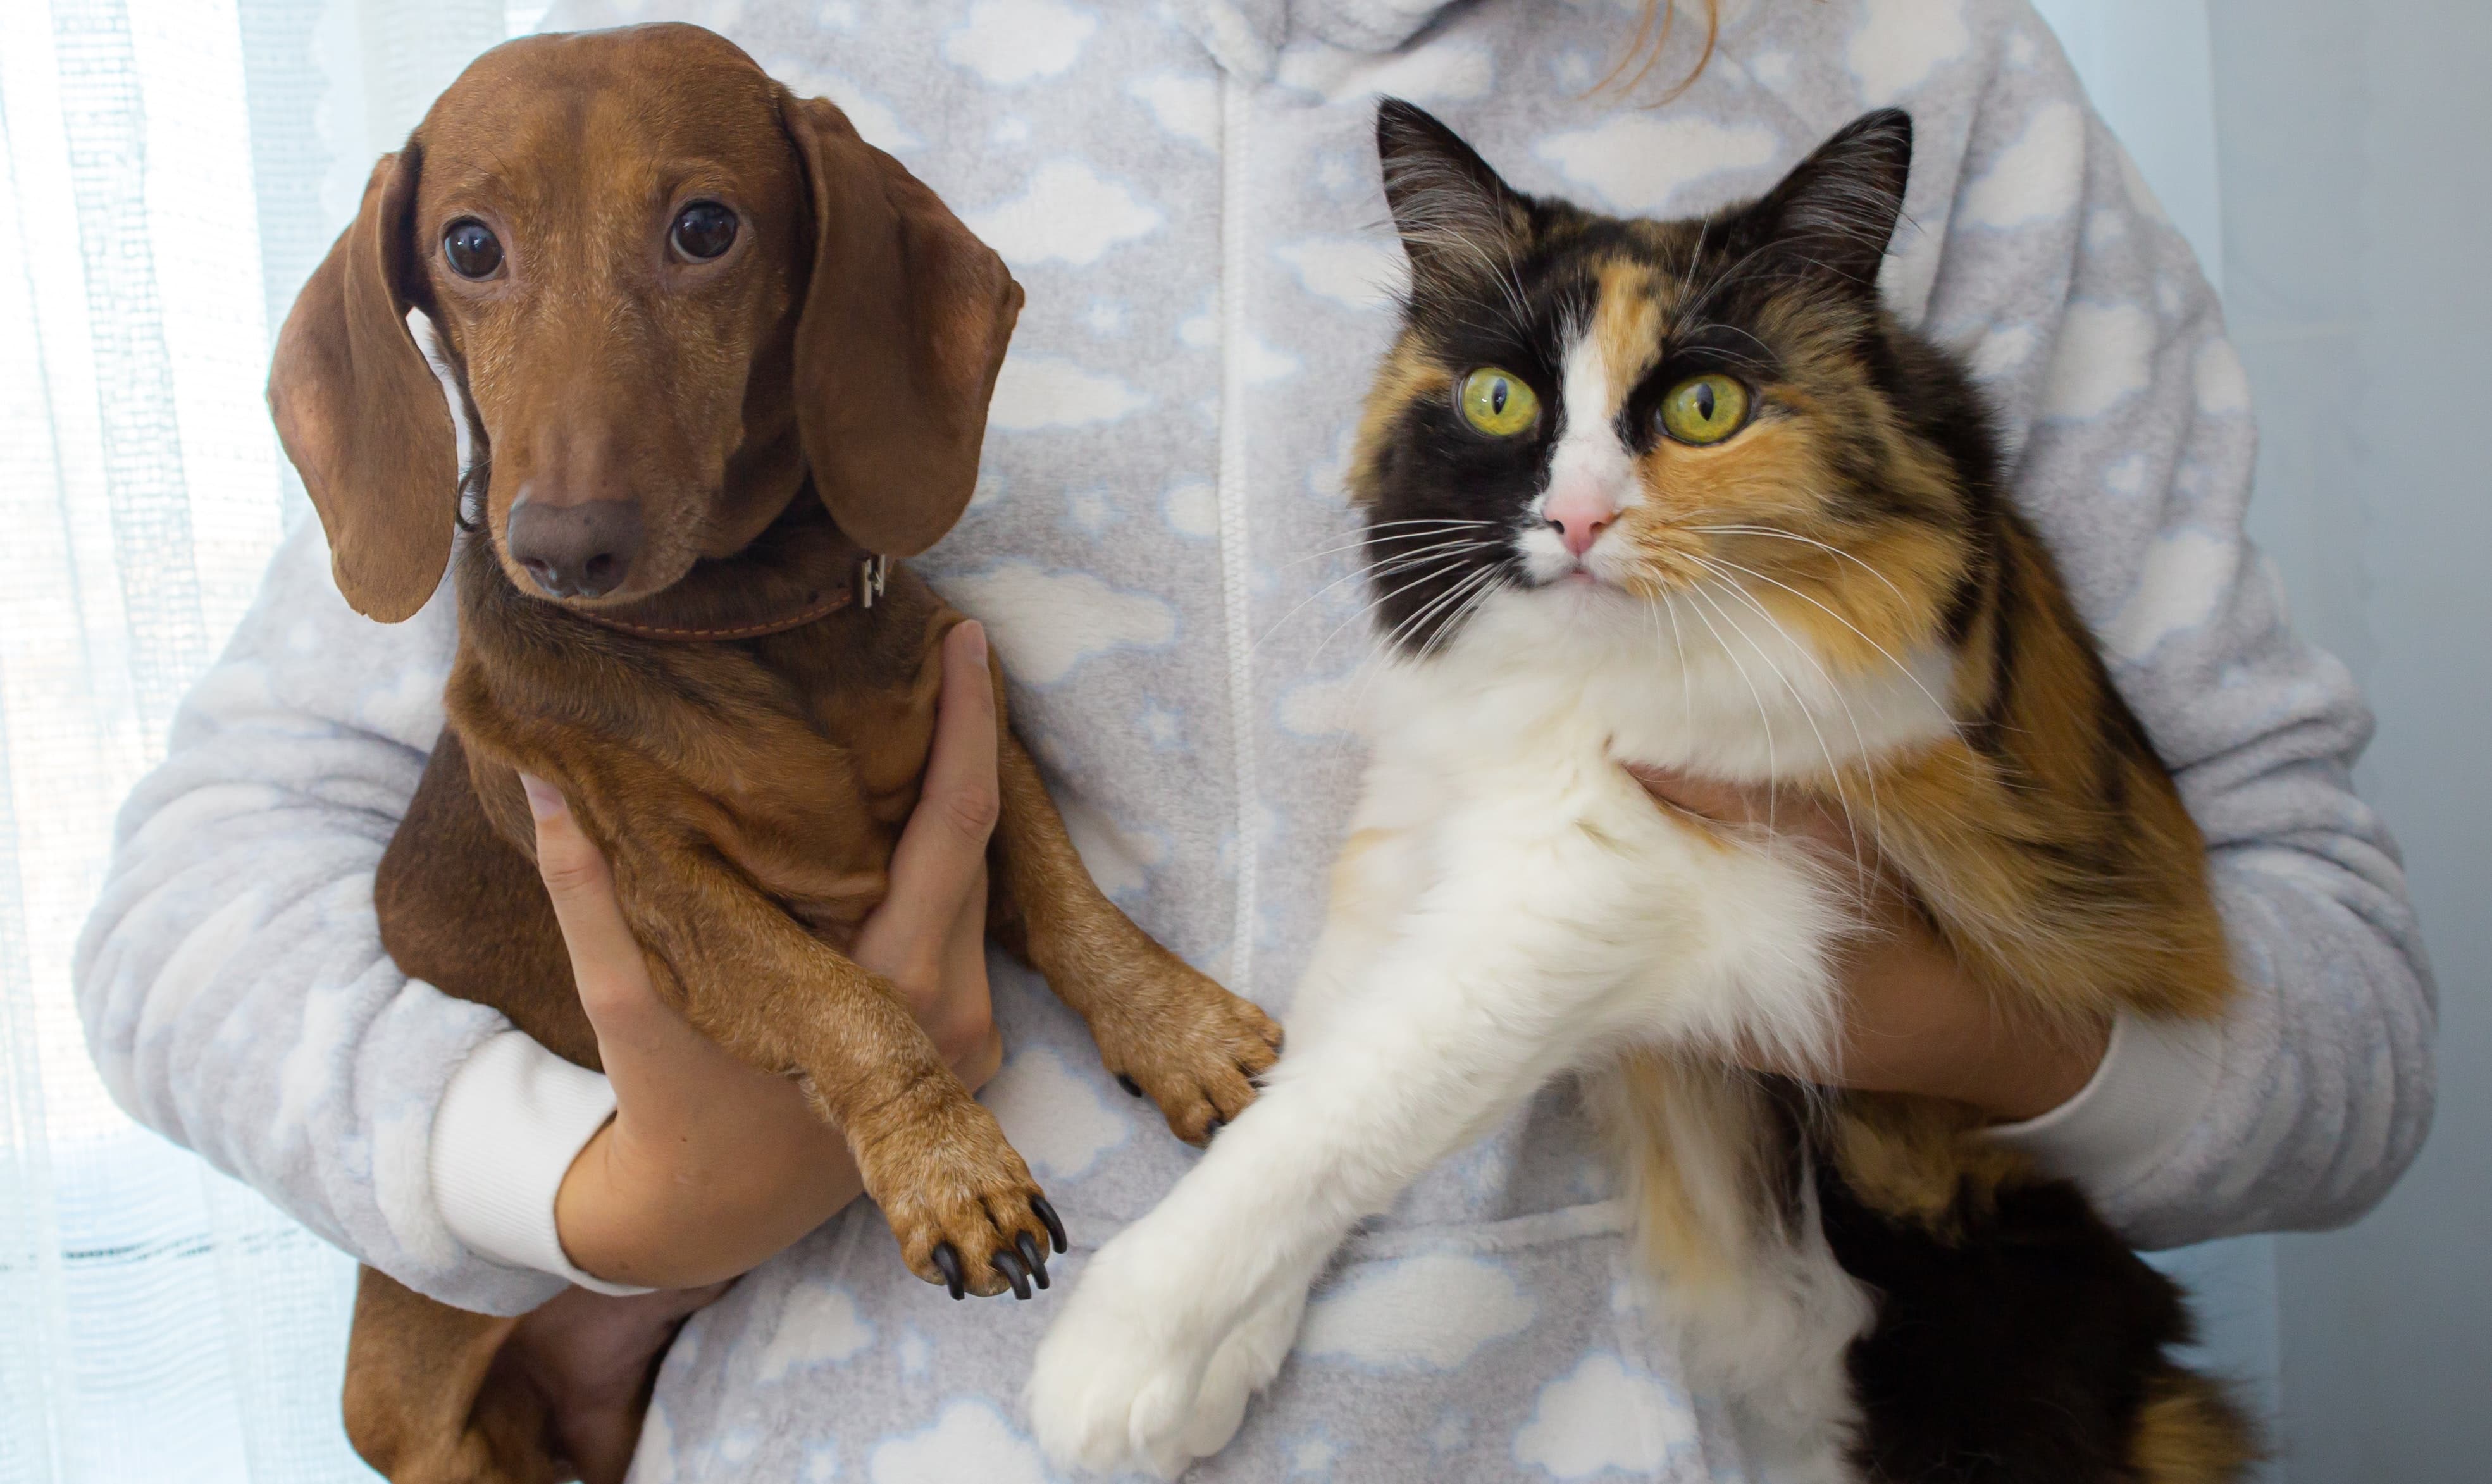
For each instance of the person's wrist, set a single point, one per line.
(584, 1217)
(2023, 1072)
(1938, 1032)
(632, 1210)
(623, 1222)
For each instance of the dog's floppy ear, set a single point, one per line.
(360, 411)
(897, 349)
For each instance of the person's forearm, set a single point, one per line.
(234, 990)
(611, 1227)
(1936, 1032)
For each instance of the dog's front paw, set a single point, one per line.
(960, 1199)
(1188, 1045)
(1132, 1377)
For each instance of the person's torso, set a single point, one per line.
(1165, 554)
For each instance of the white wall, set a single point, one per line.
(2351, 140)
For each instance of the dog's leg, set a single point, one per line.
(959, 1197)
(1163, 1028)
(424, 1401)
(1726, 1214)
(463, 908)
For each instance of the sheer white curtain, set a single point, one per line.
(170, 170)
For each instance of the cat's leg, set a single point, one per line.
(1449, 1030)
(1372, 885)
(1376, 880)
(1725, 1210)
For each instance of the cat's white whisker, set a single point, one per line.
(1367, 537)
(1830, 612)
(1381, 567)
(1411, 625)
(1453, 622)
(1386, 595)
(1808, 713)
(1477, 583)
(1678, 641)
(1828, 547)
(1773, 769)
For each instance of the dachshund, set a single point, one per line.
(722, 361)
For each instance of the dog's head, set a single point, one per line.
(667, 289)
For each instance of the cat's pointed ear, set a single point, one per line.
(1836, 211)
(1456, 216)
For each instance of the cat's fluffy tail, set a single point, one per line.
(2190, 1430)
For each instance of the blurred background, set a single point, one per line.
(171, 170)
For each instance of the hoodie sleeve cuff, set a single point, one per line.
(513, 1118)
(2152, 1088)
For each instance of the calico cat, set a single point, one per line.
(1684, 493)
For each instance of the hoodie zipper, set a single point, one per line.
(1235, 565)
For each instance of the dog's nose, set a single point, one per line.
(581, 551)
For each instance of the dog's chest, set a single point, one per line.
(799, 773)
(810, 789)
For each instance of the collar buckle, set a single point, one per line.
(871, 576)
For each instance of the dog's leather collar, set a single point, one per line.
(866, 580)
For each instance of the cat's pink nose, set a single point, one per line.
(1579, 516)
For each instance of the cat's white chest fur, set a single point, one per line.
(1509, 904)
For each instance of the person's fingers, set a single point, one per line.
(606, 961)
(1727, 803)
(943, 849)
(957, 1008)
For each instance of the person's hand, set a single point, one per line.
(588, 1355)
(1913, 1019)
(710, 1165)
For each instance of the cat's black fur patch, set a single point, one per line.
(2020, 1355)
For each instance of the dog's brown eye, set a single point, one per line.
(704, 229)
(472, 249)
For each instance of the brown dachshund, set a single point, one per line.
(679, 304)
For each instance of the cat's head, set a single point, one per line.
(1625, 416)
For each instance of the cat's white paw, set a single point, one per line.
(1245, 1363)
(1133, 1377)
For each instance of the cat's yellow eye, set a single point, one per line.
(1704, 410)
(1497, 403)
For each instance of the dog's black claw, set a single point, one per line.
(1129, 1084)
(947, 1262)
(1212, 1129)
(1054, 1223)
(1014, 1273)
(1033, 1257)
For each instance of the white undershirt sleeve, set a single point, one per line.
(513, 1118)
(2152, 1090)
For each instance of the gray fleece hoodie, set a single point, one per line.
(1189, 193)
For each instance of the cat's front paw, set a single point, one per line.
(1132, 1377)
